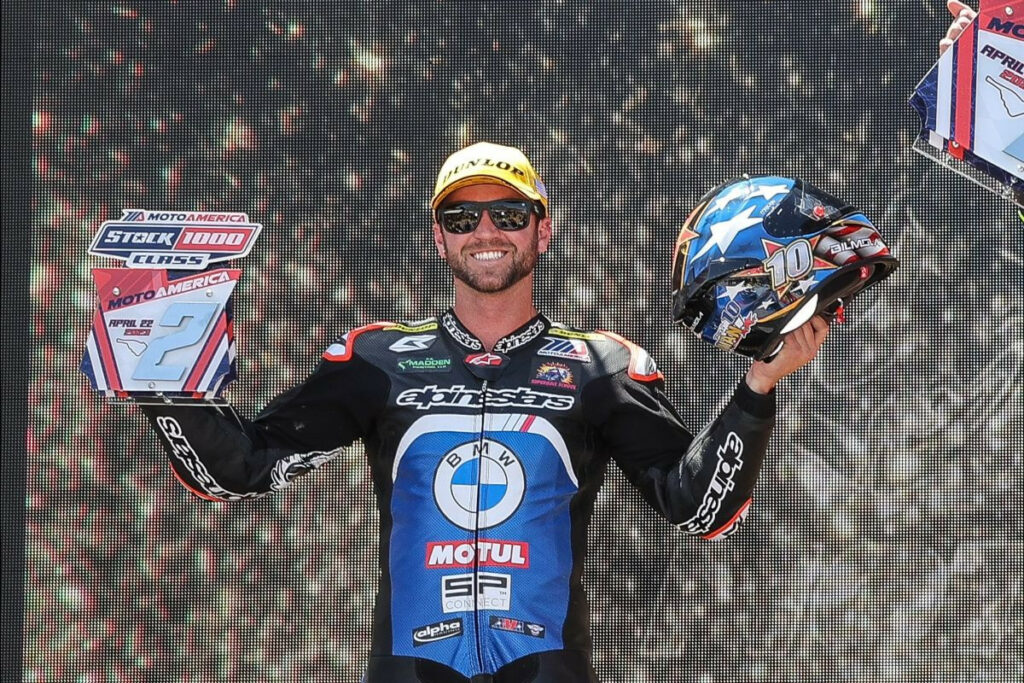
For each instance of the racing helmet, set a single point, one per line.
(760, 256)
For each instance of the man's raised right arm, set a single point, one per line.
(218, 455)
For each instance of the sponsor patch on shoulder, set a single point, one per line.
(415, 342)
(554, 374)
(570, 349)
(566, 333)
(412, 329)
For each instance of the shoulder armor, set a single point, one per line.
(341, 350)
(642, 367)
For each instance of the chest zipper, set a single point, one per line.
(476, 529)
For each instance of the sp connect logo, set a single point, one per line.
(478, 485)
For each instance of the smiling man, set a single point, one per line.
(488, 430)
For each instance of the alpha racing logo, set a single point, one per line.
(431, 633)
(458, 396)
(729, 464)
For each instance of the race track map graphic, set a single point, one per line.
(885, 538)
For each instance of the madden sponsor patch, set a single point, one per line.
(441, 630)
(415, 342)
(526, 628)
(733, 327)
(554, 374)
(428, 364)
(570, 349)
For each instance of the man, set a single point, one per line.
(488, 430)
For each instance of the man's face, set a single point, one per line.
(489, 260)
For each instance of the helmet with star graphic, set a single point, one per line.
(760, 256)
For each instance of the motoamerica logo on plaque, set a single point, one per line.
(160, 334)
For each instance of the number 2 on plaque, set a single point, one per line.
(151, 366)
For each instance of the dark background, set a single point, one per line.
(886, 538)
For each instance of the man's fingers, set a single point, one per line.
(799, 336)
(956, 8)
(963, 16)
(956, 28)
(821, 328)
(803, 338)
(809, 337)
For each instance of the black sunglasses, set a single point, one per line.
(506, 214)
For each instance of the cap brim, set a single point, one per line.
(485, 179)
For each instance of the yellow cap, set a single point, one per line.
(485, 162)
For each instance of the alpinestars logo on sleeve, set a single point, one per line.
(729, 464)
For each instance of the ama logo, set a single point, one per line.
(479, 484)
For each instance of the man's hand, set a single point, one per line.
(799, 348)
(962, 16)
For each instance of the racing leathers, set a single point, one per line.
(486, 466)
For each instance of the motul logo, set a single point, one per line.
(491, 554)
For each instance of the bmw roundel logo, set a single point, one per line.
(479, 484)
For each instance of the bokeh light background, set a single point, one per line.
(886, 540)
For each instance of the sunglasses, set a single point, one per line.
(506, 214)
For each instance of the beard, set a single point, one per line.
(490, 279)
